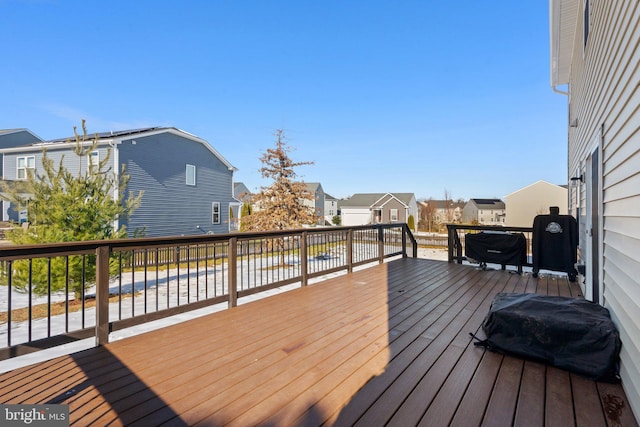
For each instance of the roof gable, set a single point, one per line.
(375, 199)
(116, 137)
(539, 183)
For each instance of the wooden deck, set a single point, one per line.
(385, 345)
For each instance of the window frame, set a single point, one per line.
(215, 212)
(26, 166)
(586, 24)
(94, 160)
(393, 215)
(190, 172)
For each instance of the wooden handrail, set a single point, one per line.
(224, 246)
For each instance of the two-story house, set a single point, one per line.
(594, 64)
(317, 204)
(484, 211)
(522, 206)
(330, 208)
(187, 185)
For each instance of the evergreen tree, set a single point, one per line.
(244, 214)
(411, 223)
(281, 205)
(63, 207)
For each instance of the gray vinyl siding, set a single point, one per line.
(604, 99)
(70, 160)
(157, 166)
(17, 139)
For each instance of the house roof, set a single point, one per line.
(241, 192)
(118, 136)
(371, 199)
(112, 134)
(488, 203)
(563, 17)
(313, 187)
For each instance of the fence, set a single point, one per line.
(55, 293)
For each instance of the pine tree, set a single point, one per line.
(63, 207)
(280, 206)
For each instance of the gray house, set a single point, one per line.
(17, 137)
(484, 211)
(187, 184)
(330, 208)
(317, 204)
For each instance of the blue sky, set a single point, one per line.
(383, 96)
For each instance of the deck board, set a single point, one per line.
(388, 344)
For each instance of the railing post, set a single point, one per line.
(102, 295)
(450, 242)
(304, 264)
(405, 227)
(380, 244)
(233, 272)
(350, 250)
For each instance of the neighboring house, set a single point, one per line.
(484, 212)
(241, 192)
(435, 213)
(594, 51)
(17, 137)
(330, 208)
(317, 204)
(523, 205)
(374, 208)
(187, 184)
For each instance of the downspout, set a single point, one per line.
(116, 169)
(561, 92)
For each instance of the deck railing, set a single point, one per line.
(51, 294)
(456, 233)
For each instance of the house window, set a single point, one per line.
(24, 164)
(393, 214)
(377, 215)
(215, 213)
(191, 175)
(94, 160)
(586, 23)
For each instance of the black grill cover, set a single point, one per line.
(555, 243)
(569, 333)
(496, 247)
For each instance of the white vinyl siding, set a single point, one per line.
(24, 164)
(604, 98)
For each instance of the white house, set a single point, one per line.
(522, 206)
(594, 63)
